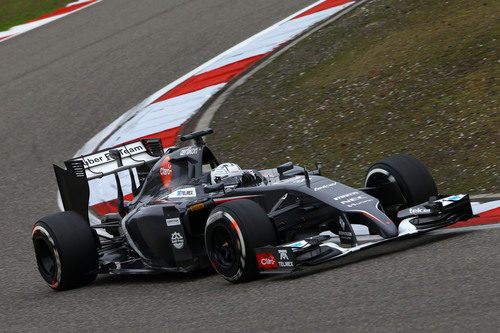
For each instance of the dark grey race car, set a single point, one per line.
(189, 212)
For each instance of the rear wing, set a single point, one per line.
(106, 162)
(73, 181)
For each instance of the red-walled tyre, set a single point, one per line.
(66, 250)
(234, 229)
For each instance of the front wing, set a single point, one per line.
(437, 213)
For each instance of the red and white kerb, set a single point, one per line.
(44, 19)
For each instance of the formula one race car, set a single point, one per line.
(190, 212)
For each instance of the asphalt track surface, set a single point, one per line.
(63, 82)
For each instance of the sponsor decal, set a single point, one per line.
(177, 240)
(352, 199)
(283, 255)
(105, 157)
(189, 192)
(295, 180)
(340, 197)
(419, 210)
(359, 203)
(174, 221)
(188, 151)
(319, 188)
(166, 171)
(196, 207)
(93, 160)
(449, 200)
(266, 261)
(285, 261)
(297, 244)
(285, 264)
(455, 197)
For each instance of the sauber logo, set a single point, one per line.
(177, 240)
(266, 261)
(166, 171)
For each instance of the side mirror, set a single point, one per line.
(284, 167)
(318, 169)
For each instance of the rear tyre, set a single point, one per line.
(410, 175)
(234, 229)
(66, 250)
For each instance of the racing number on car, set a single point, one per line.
(166, 171)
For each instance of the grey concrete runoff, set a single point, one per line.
(485, 197)
(63, 82)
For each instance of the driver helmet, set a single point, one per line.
(223, 171)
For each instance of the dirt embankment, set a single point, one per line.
(393, 76)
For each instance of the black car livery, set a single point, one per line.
(255, 222)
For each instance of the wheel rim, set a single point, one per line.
(45, 258)
(378, 176)
(224, 249)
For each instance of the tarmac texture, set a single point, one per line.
(62, 83)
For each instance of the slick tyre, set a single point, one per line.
(411, 176)
(233, 230)
(65, 250)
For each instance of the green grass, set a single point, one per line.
(393, 76)
(15, 12)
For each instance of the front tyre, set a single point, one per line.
(65, 250)
(233, 230)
